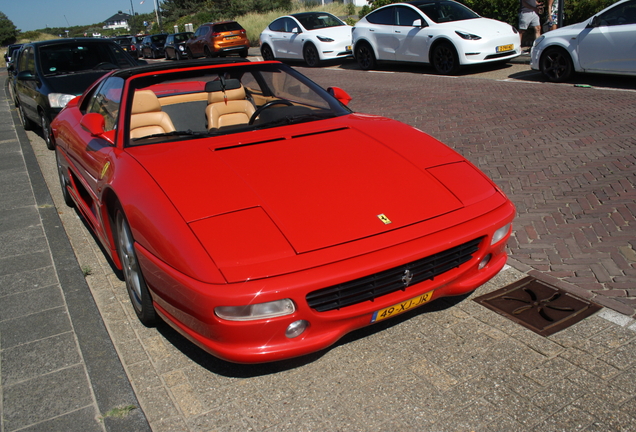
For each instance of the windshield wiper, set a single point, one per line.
(173, 133)
(294, 119)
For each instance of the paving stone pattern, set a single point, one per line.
(59, 370)
(451, 365)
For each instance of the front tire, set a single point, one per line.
(135, 283)
(556, 65)
(311, 56)
(63, 182)
(365, 56)
(445, 59)
(47, 134)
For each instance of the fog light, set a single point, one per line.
(296, 328)
(484, 262)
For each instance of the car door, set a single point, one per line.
(382, 33)
(27, 88)
(283, 38)
(199, 40)
(92, 156)
(413, 33)
(170, 46)
(609, 45)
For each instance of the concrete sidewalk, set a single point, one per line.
(59, 369)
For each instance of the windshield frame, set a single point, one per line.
(162, 80)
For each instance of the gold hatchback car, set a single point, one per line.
(218, 39)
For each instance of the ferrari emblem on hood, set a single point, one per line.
(384, 219)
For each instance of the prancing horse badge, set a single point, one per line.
(384, 219)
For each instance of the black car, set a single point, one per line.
(10, 54)
(174, 48)
(152, 46)
(125, 42)
(48, 74)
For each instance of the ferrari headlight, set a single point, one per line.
(500, 234)
(467, 36)
(256, 311)
(59, 100)
(324, 39)
(538, 40)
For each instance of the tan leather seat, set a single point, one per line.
(228, 108)
(146, 117)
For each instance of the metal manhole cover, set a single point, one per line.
(538, 306)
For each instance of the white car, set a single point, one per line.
(605, 43)
(444, 33)
(309, 36)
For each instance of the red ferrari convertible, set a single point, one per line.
(254, 212)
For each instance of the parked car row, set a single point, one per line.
(207, 183)
(46, 75)
(443, 33)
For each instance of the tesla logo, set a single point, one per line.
(385, 220)
(407, 278)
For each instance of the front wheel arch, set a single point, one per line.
(556, 64)
(365, 55)
(311, 56)
(444, 58)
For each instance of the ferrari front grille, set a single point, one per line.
(370, 287)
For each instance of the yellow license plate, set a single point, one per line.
(504, 48)
(401, 307)
(231, 37)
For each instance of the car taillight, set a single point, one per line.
(133, 48)
(216, 34)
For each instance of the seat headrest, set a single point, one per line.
(220, 96)
(145, 101)
(220, 85)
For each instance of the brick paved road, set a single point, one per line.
(565, 155)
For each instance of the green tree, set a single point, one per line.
(8, 31)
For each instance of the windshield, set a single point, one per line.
(77, 57)
(447, 11)
(313, 21)
(182, 37)
(212, 101)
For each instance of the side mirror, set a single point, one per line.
(417, 23)
(94, 124)
(296, 30)
(340, 94)
(596, 22)
(25, 76)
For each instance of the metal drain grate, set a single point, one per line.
(538, 306)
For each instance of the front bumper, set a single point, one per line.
(188, 305)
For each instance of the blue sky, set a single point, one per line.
(38, 14)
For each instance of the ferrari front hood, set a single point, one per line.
(319, 189)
